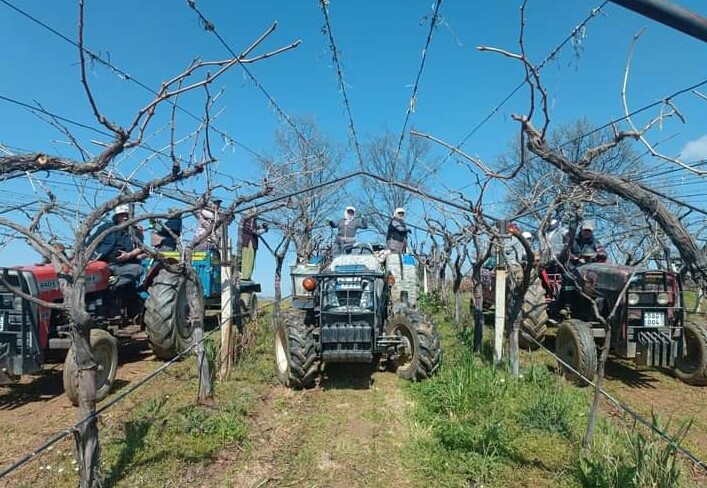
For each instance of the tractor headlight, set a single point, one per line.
(662, 298)
(17, 304)
(633, 298)
(309, 284)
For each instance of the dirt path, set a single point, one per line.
(648, 391)
(349, 432)
(35, 409)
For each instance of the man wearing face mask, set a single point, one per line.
(397, 231)
(347, 227)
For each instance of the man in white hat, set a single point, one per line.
(347, 227)
(585, 243)
(120, 248)
(396, 239)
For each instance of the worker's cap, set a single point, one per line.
(527, 235)
(399, 211)
(351, 209)
(588, 225)
(122, 209)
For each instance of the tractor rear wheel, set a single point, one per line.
(421, 354)
(105, 353)
(295, 350)
(692, 368)
(575, 345)
(533, 317)
(167, 315)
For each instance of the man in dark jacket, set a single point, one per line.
(586, 243)
(397, 232)
(347, 227)
(120, 249)
(165, 235)
(250, 232)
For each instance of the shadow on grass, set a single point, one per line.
(135, 433)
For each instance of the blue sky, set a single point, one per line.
(380, 46)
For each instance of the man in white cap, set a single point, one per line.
(347, 227)
(396, 239)
(585, 243)
(120, 248)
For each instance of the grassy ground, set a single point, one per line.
(477, 426)
(470, 426)
(159, 437)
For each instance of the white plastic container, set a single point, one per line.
(405, 277)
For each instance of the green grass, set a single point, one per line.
(475, 425)
(156, 437)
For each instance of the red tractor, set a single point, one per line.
(28, 332)
(648, 322)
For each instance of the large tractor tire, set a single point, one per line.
(167, 315)
(533, 317)
(105, 352)
(421, 355)
(575, 345)
(295, 350)
(692, 368)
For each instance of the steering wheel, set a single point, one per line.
(362, 248)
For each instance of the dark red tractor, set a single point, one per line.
(644, 309)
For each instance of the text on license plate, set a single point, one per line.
(654, 319)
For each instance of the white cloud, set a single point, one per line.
(695, 150)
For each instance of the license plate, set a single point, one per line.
(654, 319)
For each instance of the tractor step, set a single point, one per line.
(655, 348)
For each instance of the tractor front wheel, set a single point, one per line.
(575, 346)
(295, 350)
(167, 315)
(692, 367)
(105, 353)
(420, 354)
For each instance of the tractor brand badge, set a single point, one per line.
(48, 285)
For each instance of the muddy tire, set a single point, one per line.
(295, 350)
(575, 345)
(167, 315)
(422, 354)
(692, 368)
(105, 352)
(533, 317)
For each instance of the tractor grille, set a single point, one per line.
(347, 342)
(18, 329)
(348, 292)
(655, 348)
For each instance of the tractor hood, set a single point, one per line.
(607, 276)
(346, 263)
(611, 277)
